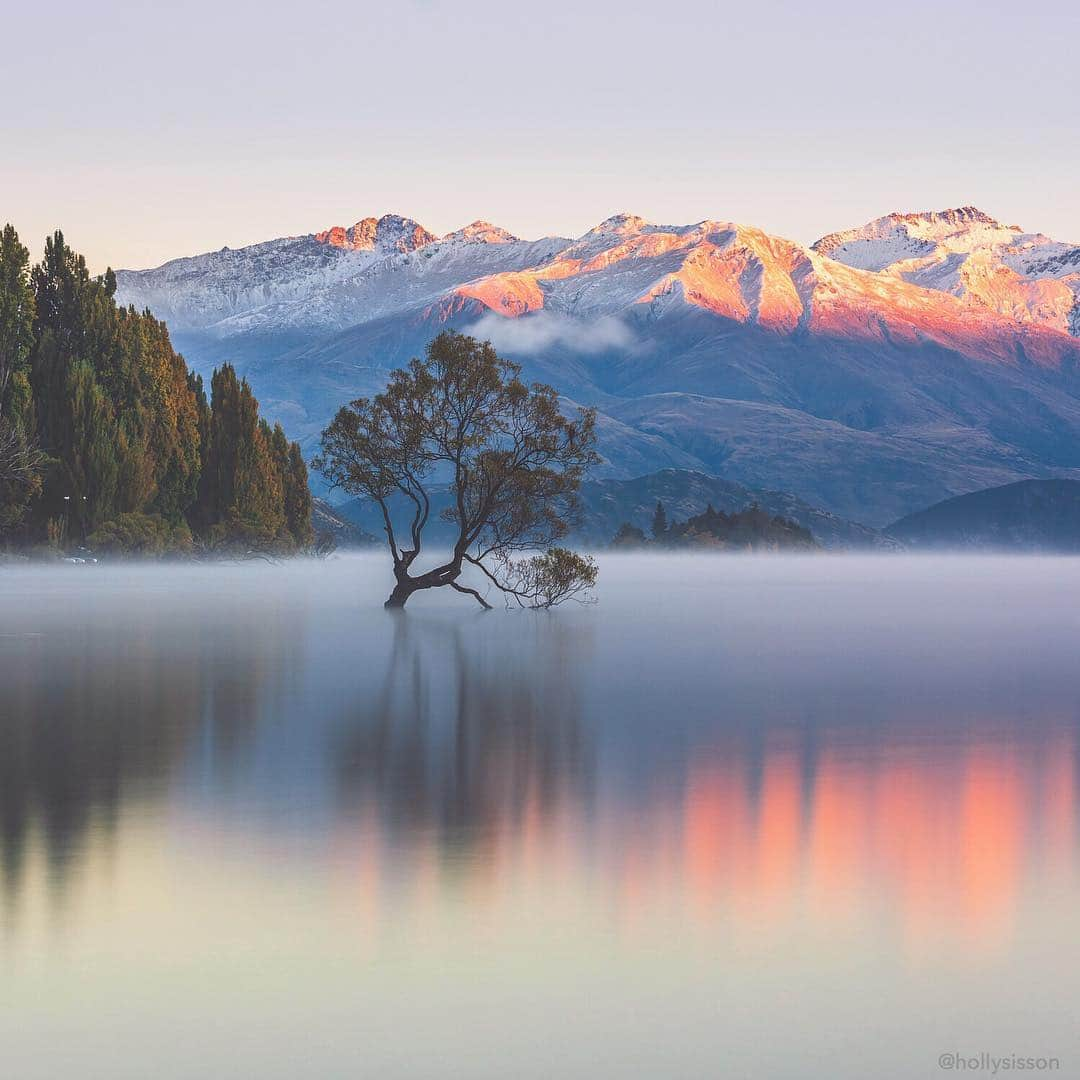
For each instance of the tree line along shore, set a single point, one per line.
(109, 442)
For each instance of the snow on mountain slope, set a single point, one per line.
(742, 274)
(1026, 277)
(957, 278)
(324, 281)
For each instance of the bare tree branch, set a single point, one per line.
(21, 461)
(471, 592)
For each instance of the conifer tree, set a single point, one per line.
(20, 461)
(659, 522)
(217, 485)
(16, 317)
(294, 481)
(241, 493)
(298, 499)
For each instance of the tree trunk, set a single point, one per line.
(402, 591)
(442, 575)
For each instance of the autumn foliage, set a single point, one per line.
(107, 439)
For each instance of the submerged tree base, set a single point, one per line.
(538, 581)
(396, 600)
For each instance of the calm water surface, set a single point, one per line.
(746, 817)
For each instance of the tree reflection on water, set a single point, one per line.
(461, 737)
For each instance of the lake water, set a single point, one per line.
(745, 817)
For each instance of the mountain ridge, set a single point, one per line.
(1029, 515)
(861, 390)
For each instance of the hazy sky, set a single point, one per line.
(149, 131)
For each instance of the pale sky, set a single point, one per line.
(150, 131)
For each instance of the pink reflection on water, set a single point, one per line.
(942, 844)
(934, 847)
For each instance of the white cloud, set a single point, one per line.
(544, 330)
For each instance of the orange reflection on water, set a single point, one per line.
(939, 843)
(998, 806)
(717, 833)
(934, 839)
(1059, 797)
(778, 840)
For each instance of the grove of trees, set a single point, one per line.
(107, 440)
(750, 529)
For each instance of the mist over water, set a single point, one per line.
(765, 816)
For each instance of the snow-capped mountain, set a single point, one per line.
(966, 253)
(328, 280)
(1010, 282)
(878, 370)
(742, 274)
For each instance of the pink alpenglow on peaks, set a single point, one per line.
(1025, 277)
(955, 278)
(389, 233)
(392, 233)
(482, 232)
(883, 281)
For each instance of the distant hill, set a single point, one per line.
(752, 529)
(1031, 515)
(346, 533)
(685, 493)
(606, 504)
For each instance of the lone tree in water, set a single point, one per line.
(513, 463)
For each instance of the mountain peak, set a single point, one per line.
(920, 234)
(481, 232)
(619, 225)
(958, 218)
(390, 233)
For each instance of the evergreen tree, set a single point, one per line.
(16, 321)
(241, 492)
(298, 499)
(628, 536)
(170, 417)
(294, 481)
(217, 485)
(20, 461)
(199, 511)
(659, 522)
(89, 472)
(75, 332)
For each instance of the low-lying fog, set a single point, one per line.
(667, 630)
